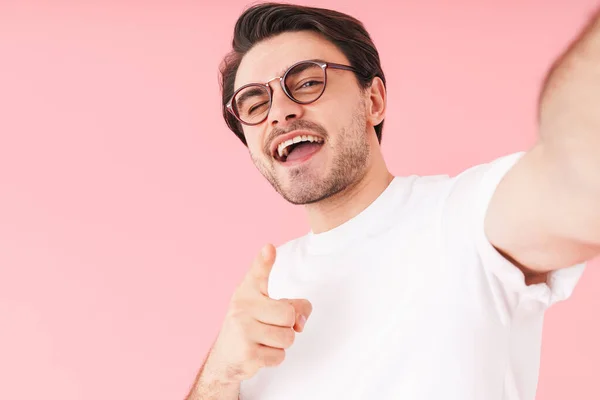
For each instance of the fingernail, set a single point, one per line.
(302, 321)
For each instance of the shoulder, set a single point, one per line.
(481, 180)
(475, 182)
(468, 194)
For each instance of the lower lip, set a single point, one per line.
(302, 160)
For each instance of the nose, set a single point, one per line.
(283, 109)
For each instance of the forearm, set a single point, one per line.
(210, 385)
(570, 107)
(570, 134)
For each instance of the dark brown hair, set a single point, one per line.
(266, 20)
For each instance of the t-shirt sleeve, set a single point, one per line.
(469, 197)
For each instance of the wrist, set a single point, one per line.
(219, 373)
(212, 384)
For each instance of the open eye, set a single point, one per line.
(310, 83)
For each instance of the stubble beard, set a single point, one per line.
(306, 185)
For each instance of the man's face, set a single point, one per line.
(338, 152)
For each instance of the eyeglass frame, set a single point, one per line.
(323, 64)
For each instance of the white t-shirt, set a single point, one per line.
(411, 302)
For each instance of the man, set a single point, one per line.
(413, 287)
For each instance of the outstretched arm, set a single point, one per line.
(545, 214)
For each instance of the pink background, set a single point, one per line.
(128, 212)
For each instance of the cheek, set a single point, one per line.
(335, 110)
(254, 140)
(255, 147)
(255, 150)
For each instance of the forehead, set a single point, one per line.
(271, 57)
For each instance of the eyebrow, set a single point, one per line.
(282, 71)
(247, 94)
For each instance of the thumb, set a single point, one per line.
(303, 309)
(261, 268)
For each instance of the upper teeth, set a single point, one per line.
(282, 149)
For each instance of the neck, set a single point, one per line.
(343, 206)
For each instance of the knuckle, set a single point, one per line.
(270, 357)
(288, 314)
(283, 337)
(291, 315)
(278, 357)
(287, 337)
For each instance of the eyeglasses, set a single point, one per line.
(304, 83)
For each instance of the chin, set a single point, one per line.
(301, 199)
(303, 191)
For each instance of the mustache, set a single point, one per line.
(296, 125)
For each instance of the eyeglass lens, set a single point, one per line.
(305, 82)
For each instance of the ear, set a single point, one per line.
(376, 102)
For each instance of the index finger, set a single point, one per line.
(261, 269)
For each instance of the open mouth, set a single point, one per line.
(298, 148)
